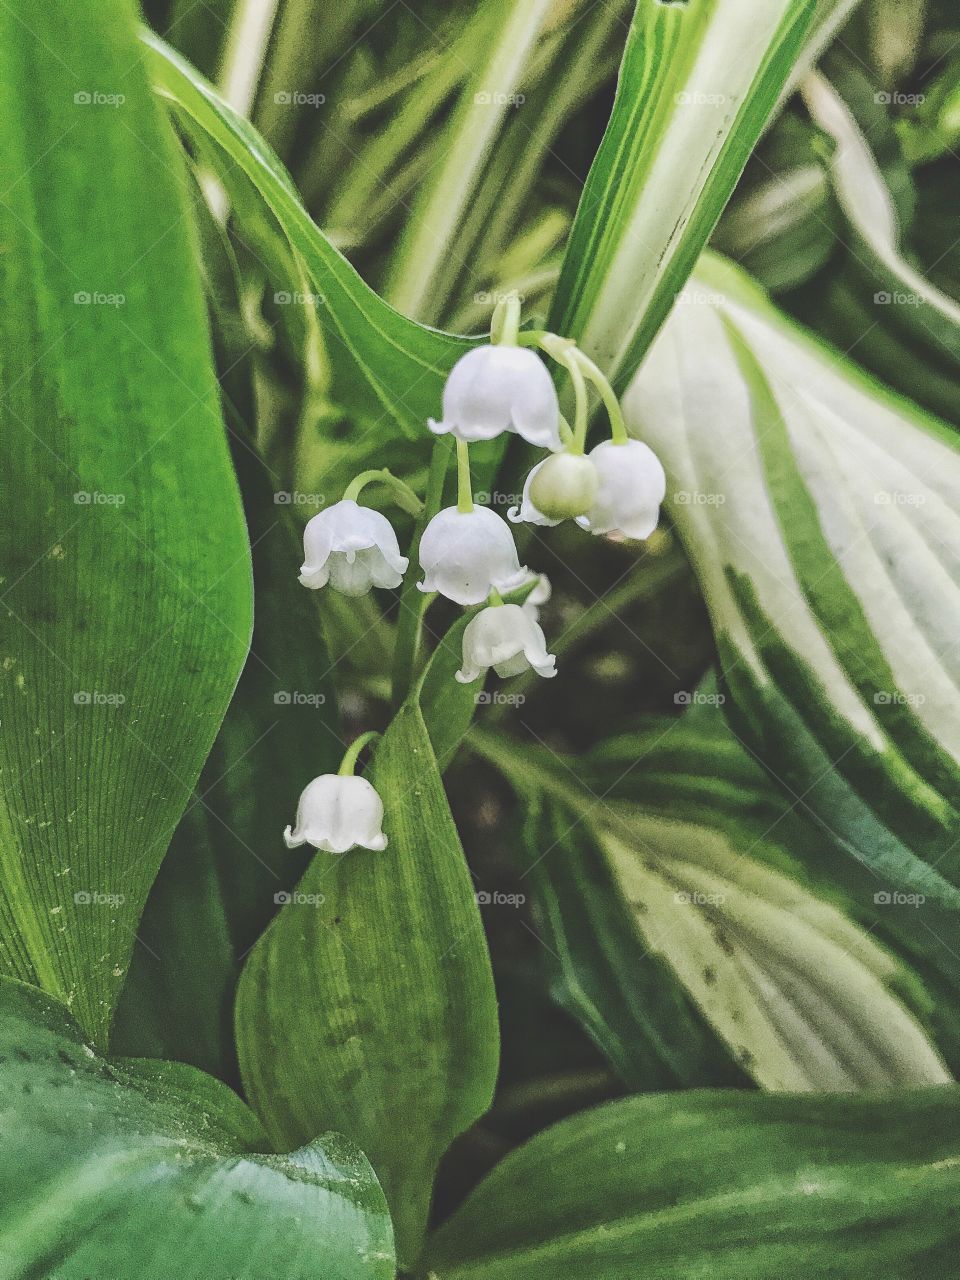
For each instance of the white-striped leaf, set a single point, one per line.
(821, 514)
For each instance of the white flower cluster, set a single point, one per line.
(468, 553)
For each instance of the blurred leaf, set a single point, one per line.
(372, 1007)
(692, 99)
(504, 43)
(127, 583)
(142, 1170)
(822, 522)
(216, 892)
(913, 304)
(725, 1185)
(404, 363)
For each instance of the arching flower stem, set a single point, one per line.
(349, 762)
(403, 496)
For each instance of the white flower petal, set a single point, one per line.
(507, 638)
(632, 487)
(464, 555)
(493, 389)
(336, 814)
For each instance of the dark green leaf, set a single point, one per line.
(143, 1170)
(126, 595)
(725, 1185)
(369, 1002)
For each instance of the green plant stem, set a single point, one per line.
(505, 322)
(464, 487)
(413, 602)
(349, 762)
(618, 428)
(580, 418)
(402, 494)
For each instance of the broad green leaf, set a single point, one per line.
(369, 1002)
(404, 363)
(649, 909)
(821, 517)
(720, 1184)
(692, 99)
(217, 890)
(141, 1170)
(126, 593)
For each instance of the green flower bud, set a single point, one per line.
(564, 486)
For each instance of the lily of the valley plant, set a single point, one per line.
(556, 876)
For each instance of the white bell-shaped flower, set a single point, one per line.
(467, 554)
(509, 639)
(353, 548)
(500, 388)
(336, 813)
(632, 487)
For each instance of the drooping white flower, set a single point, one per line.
(500, 388)
(353, 548)
(465, 555)
(336, 813)
(632, 486)
(559, 488)
(507, 638)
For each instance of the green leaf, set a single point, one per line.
(912, 303)
(692, 99)
(822, 521)
(405, 363)
(650, 909)
(126, 594)
(370, 1002)
(720, 1184)
(506, 39)
(216, 892)
(142, 1170)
